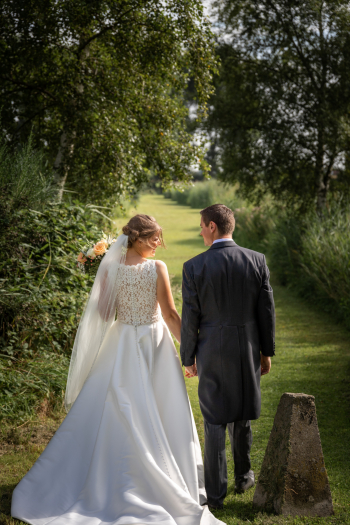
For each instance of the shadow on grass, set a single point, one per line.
(176, 281)
(5, 499)
(191, 242)
(242, 510)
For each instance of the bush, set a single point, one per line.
(253, 227)
(29, 382)
(203, 194)
(284, 245)
(25, 181)
(313, 256)
(42, 292)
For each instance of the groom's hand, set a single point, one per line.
(265, 364)
(191, 371)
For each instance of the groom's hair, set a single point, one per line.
(221, 215)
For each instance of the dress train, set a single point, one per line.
(128, 450)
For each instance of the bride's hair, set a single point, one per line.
(142, 227)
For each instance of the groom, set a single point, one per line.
(227, 336)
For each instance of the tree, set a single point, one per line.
(281, 112)
(100, 83)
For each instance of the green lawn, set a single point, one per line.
(312, 356)
(180, 228)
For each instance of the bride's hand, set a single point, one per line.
(191, 371)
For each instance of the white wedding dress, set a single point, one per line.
(128, 451)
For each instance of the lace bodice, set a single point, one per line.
(137, 294)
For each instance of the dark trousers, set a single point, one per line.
(215, 465)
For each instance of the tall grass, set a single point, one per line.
(204, 193)
(25, 179)
(325, 255)
(313, 256)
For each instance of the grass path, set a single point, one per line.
(312, 356)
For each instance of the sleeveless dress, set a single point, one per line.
(128, 451)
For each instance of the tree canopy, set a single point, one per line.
(281, 112)
(99, 84)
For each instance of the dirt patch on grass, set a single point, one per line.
(32, 435)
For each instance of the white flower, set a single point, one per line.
(90, 253)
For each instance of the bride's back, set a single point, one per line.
(137, 294)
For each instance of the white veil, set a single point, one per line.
(97, 318)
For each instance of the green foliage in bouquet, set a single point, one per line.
(89, 259)
(90, 266)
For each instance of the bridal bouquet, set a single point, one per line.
(90, 258)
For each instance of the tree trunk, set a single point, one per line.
(66, 147)
(320, 175)
(322, 192)
(60, 166)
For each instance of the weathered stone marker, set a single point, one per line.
(293, 478)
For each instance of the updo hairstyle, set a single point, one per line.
(142, 227)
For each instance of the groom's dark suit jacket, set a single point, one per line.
(228, 316)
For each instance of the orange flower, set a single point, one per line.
(81, 258)
(101, 247)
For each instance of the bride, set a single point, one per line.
(128, 451)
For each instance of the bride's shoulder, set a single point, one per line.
(161, 267)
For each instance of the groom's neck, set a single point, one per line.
(218, 236)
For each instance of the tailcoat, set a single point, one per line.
(228, 318)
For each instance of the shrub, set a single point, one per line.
(27, 382)
(284, 245)
(253, 227)
(325, 259)
(25, 181)
(313, 256)
(42, 292)
(181, 197)
(203, 194)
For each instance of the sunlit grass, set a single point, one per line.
(312, 356)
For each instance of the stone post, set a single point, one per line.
(293, 478)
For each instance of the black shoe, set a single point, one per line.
(243, 486)
(215, 507)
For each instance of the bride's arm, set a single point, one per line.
(166, 301)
